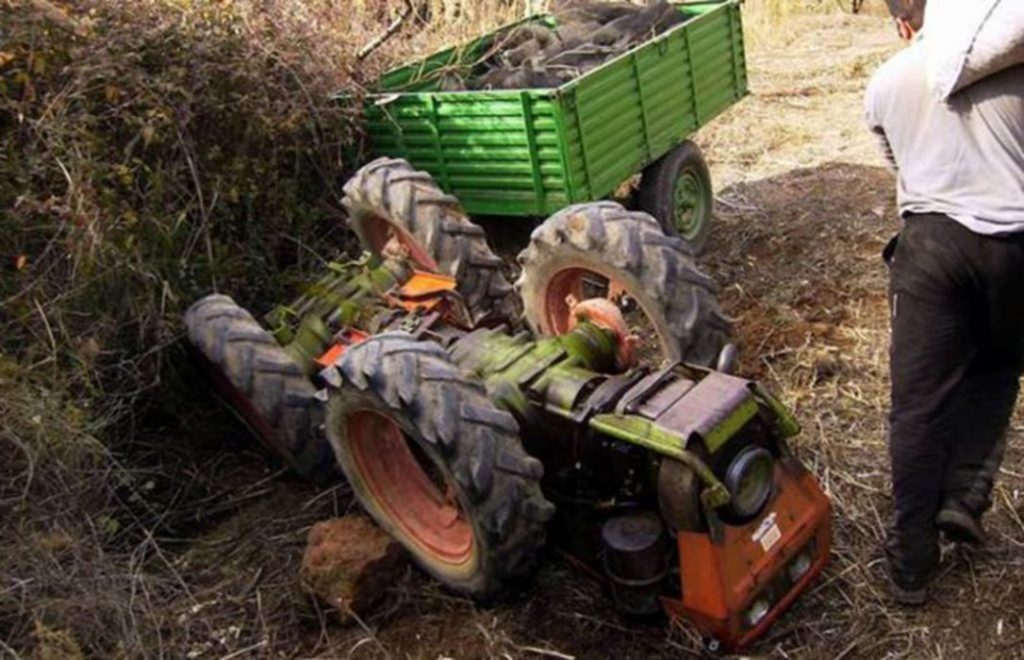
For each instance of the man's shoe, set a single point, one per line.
(959, 524)
(911, 590)
(913, 560)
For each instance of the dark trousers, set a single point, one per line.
(957, 356)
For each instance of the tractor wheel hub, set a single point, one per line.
(605, 314)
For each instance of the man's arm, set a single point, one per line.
(875, 122)
(885, 147)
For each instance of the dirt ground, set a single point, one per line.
(804, 209)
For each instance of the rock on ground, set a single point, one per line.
(351, 565)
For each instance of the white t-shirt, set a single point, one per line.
(963, 158)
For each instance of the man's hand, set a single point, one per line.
(883, 143)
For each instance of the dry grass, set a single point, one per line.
(137, 520)
(771, 22)
(805, 207)
(768, 20)
(149, 151)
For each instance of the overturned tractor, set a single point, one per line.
(465, 441)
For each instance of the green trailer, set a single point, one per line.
(533, 152)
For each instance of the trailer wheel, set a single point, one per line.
(437, 465)
(677, 191)
(603, 250)
(389, 200)
(262, 384)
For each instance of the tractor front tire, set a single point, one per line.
(628, 248)
(389, 199)
(437, 465)
(263, 385)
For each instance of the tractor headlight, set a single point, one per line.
(749, 478)
(757, 611)
(799, 566)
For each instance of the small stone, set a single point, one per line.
(351, 565)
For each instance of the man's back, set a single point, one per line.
(956, 279)
(965, 158)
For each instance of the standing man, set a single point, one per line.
(957, 289)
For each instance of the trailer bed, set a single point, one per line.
(533, 152)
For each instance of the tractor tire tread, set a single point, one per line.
(410, 199)
(474, 439)
(231, 341)
(633, 244)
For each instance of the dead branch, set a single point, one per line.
(52, 13)
(395, 26)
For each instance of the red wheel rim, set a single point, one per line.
(379, 232)
(579, 283)
(241, 404)
(583, 282)
(397, 481)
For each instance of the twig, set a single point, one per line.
(849, 649)
(7, 649)
(327, 493)
(49, 330)
(365, 51)
(1011, 508)
(246, 651)
(30, 467)
(546, 652)
(204, 211)
(372, 636)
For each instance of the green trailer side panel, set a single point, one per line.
(533, 152)
(638, 107)
(498, 152)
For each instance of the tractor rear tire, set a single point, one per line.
(388, 195)
(677, 191)
(404, 411)
(263, 385)
(657, 271)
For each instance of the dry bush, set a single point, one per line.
(149, 152)
(143, 146)
(53, 507)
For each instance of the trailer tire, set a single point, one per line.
(264, 386)
(389, 196)
(628, 247)
(400, 397)
(677, 191)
